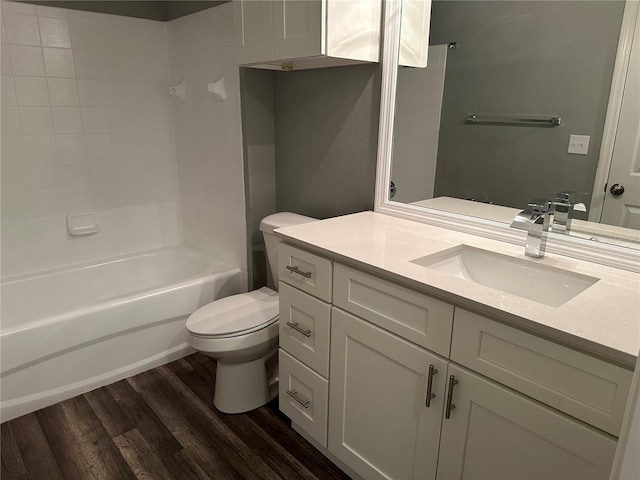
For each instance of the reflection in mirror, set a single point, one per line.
(513, 106)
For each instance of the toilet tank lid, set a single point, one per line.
(283, 219)
(235, 314)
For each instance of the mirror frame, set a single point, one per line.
(589, 250)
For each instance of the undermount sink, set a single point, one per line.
(540, 283)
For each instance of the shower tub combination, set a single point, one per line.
(68, 331)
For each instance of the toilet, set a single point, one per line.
(241, 333)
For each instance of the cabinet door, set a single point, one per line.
(494, 433)
(379, 424)
(299, 28)
(253, 30)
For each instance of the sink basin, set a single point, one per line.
(540, 283)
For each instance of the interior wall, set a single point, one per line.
(86, 126)
(506, 51)
(260, 169)
(209, 134)
(326, 137)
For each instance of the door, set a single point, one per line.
(299, 28)
(379, 421)
(253, 31)
(622, 207)
(494, 433)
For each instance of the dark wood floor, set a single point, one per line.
(158, 425)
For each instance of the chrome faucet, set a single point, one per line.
(563, 206)
(535, 219)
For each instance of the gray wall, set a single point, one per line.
(326, 131)
(259, 164)
(310, 146)
(535, 57)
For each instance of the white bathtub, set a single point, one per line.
(66, 332)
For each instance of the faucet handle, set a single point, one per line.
(539, 205)
(570, 197)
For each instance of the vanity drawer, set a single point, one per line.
(412, 315)
(303, 397)
(305, 271)
(304, 328)
(578, 384)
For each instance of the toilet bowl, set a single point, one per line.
(241, 333)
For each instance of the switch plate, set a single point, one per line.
(579, 144)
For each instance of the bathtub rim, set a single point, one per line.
(213, 268)
(179, 298)
(177, 248)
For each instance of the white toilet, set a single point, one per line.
(241, 332)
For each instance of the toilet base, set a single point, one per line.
(241, 387)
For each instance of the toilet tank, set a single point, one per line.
(268, 225)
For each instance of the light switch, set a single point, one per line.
(579, 144)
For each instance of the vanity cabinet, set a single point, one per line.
(580, 385)
(292, 35)
(304, 326)
(380, 424)
(407, 386)
(379, 421)
(495, 433)
(412, 315)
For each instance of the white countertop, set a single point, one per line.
(603, 320)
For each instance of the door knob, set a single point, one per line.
(617, 189)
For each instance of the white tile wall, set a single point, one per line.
(86, 126)
(208, 134)
(58, 62)
(54, 32)
(63, 91)
(31, 90)
(88, 64)
(25, 60)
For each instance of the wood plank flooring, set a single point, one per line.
(158, 425)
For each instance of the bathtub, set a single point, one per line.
(68, 331)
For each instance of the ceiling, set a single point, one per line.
(162, 10)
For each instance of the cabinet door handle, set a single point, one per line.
(297, 328)
(294, 394)
(432, 371)
(450, 404)
(296, 269)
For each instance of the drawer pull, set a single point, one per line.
(294, 394)
(432, 371)
(450, 404)
(296, 269)
(294, 325)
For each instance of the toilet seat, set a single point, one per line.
(235, 315)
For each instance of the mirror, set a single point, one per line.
(522, 99)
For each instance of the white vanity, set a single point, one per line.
(398, 369)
